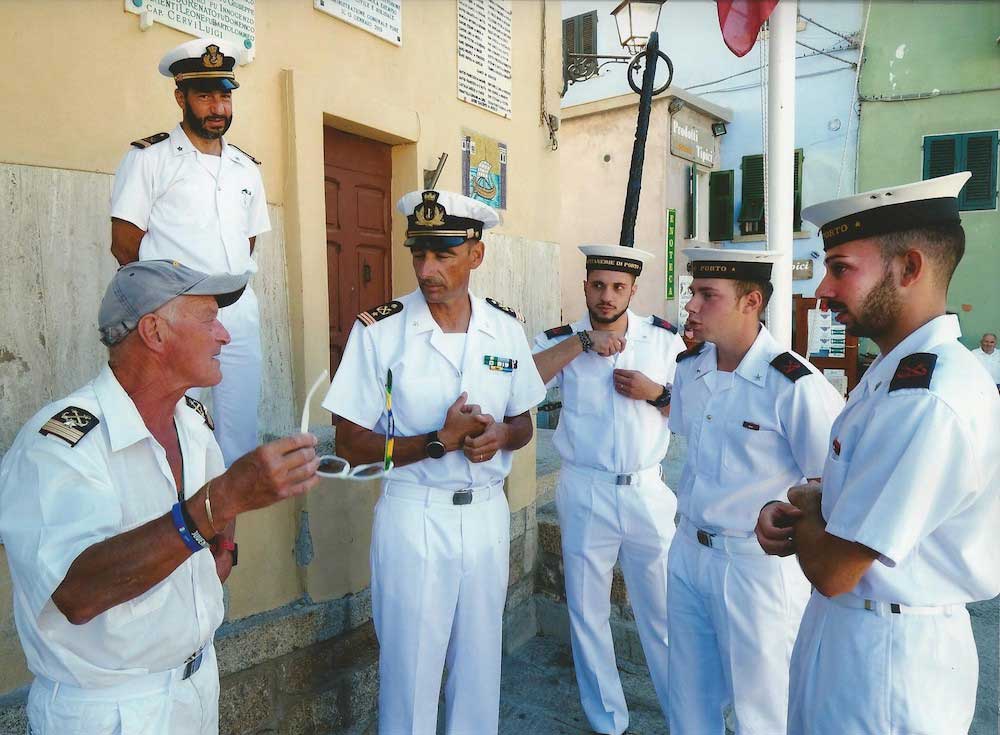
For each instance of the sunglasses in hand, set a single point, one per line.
(330, 465)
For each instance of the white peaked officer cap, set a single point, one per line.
(883, 211)
(205, 63)
(442, 219)
(616, 258)
(734, 265)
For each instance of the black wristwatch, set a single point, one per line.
(434, 446)
(663, 399)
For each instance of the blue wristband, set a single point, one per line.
(182, 529)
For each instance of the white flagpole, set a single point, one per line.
(781, 163)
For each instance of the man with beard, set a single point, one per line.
(902, 532)
(439, 383)
(191, 196)
(614, 369)
(757, 419)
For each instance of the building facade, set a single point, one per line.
(345, 120)
(930, 105)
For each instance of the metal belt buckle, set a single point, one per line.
(704, 538)
(462, 497)
(625, 479)
(193, 663)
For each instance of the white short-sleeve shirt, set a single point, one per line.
(496, 370)
(991, 362)
(58, 500)
(196, 209)
(751, 433)
(599, 427)
(914, 472)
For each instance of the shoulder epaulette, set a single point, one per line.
(790, 366)
(151, 140)
(914, 371)
(695, 350)
(202, 411)
(663, 324)
(505, 309)
(379, 313)
(559, 331)
(244, 153)
(71, 424)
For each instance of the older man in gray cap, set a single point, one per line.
(118, 519)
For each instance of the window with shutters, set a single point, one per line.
(975, 152)
(579, 35)
(751, 217)
(720, 205)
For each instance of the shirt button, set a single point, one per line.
(709, 417)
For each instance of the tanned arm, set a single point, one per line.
(125, 240)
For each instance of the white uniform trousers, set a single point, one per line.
(154, 704)
(601, 520)
(866, 670)
(732, 615)
(439, 585)
(235, 400)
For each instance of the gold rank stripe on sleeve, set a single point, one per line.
(151, 140)
(368, 318)
(71, 425)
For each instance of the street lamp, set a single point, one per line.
(636, 21)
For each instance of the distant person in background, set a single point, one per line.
(989, 357)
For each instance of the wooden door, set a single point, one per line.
(358, 230)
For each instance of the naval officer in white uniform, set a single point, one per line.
(614, 368)
(462, 384)
(902, 533)
(191, 196)
(757, 419)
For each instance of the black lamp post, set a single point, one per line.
(637, 21)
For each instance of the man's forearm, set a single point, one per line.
(120, 569)
(833, 565)
(519, 430)
(549, 362)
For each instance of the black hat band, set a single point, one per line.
(611, 263)
(733, 270)
(890, 218)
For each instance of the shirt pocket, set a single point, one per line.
(753, 449)
(145, 604)
(491, 390)
(588, 391)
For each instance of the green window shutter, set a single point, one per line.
(720, 205)
(579, 36)
(940, 155)
(752, 208)
(980, 151)
(797, 205)
(587, 33)
(692, 203)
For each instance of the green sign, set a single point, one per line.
(671, 239)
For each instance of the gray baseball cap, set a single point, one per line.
(142, 287)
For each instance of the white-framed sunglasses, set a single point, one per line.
(330, 465)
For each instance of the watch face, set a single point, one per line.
(435, 450)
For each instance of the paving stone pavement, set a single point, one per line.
(538, 693)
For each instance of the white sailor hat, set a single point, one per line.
(734, 265)
(882, 211)
(442, 219)
(616, 258)
(204, 63)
